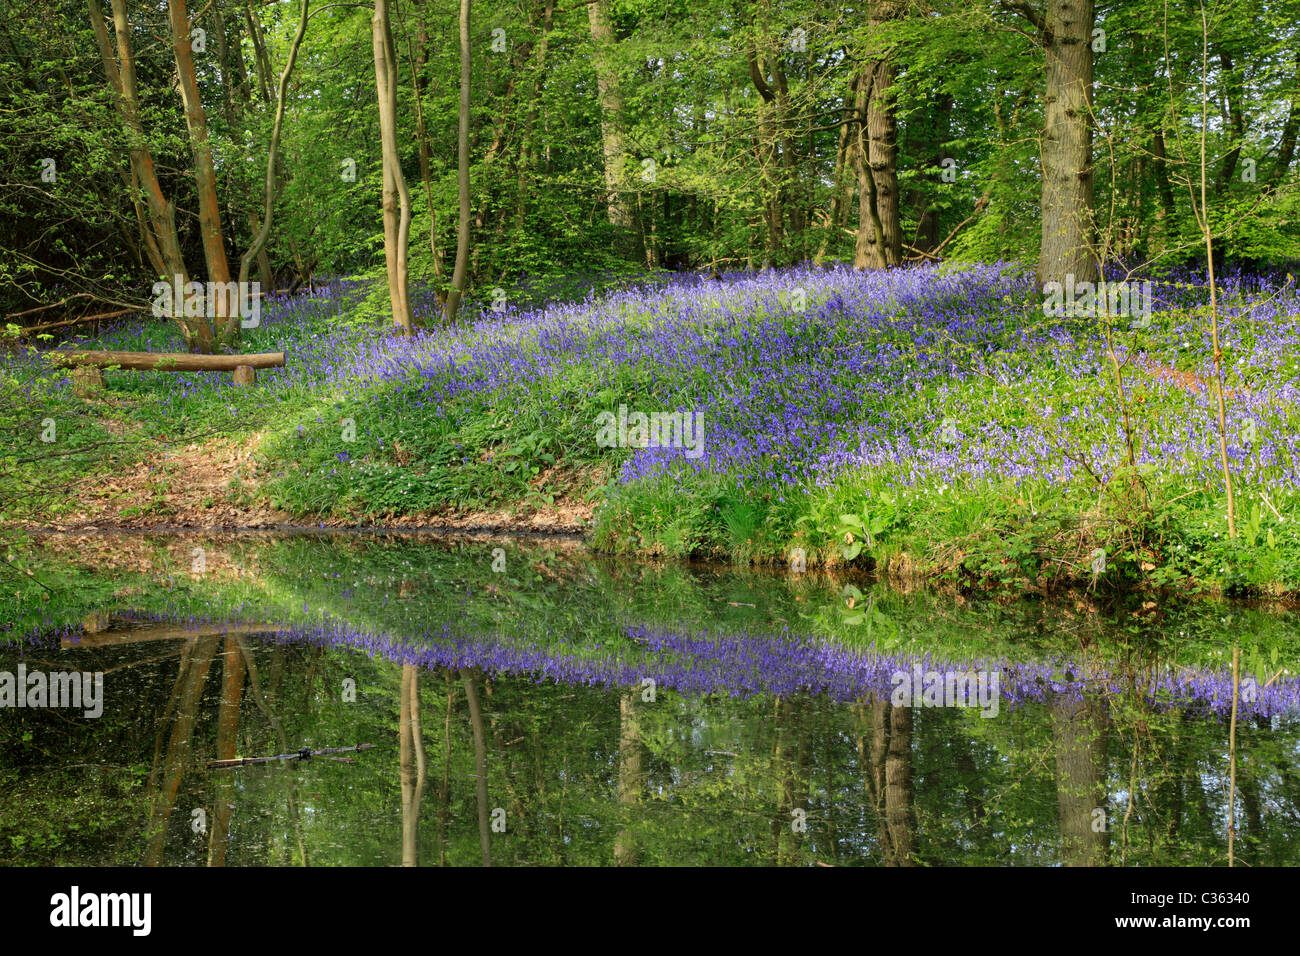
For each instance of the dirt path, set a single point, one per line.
(215, 486)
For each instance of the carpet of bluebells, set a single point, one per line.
(915, 380)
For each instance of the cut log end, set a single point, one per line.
(86, 380)
(245, 375)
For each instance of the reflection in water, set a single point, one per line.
(890, 782)
(470, 679)
(170, 764)
(413, 762)
(631, 774)
(543, 739)
(232, 696)
(1079, 729)
(679, 779)
(699, 662)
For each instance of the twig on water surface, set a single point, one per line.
(305, 754)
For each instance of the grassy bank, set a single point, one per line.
(921, 421)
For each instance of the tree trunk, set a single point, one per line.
(880, 243)
(1233, 93)
(842, 185)
(260, 236)
(195, 661)
(611, 120)
(412, 763)
(1165, 213)
(1067, 194)
(459, 275)
(205, 175)
(765, 151)
(422, 139)
(396, 197)
(162, 213)
(232, 694)
(871, 229)
(930, 154)
(879, 250)
(791, 198)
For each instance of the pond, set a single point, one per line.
(527, 702)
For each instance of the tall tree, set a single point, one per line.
(1065, 31)
(881, 244)
(396, 196)
(460, 272)
(610, 96)
(258, 244)
(205, 174)
(161, 235)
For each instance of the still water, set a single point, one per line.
(531, 703)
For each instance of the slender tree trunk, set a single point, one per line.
(842, 184)
(501, 123)
(237, 93)
(396, 197)
(162, 213)
(930, 152)
(1201, 211)
(766, 153)
(1233, 93)
(205, 175)
(1166, 210)
(195, 661)
(261, 59)
(460, 273)
(260, 237)
(420, 82)
(790, 193)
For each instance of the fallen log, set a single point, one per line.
(163, 632)
(168, 361)
(305, 754)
